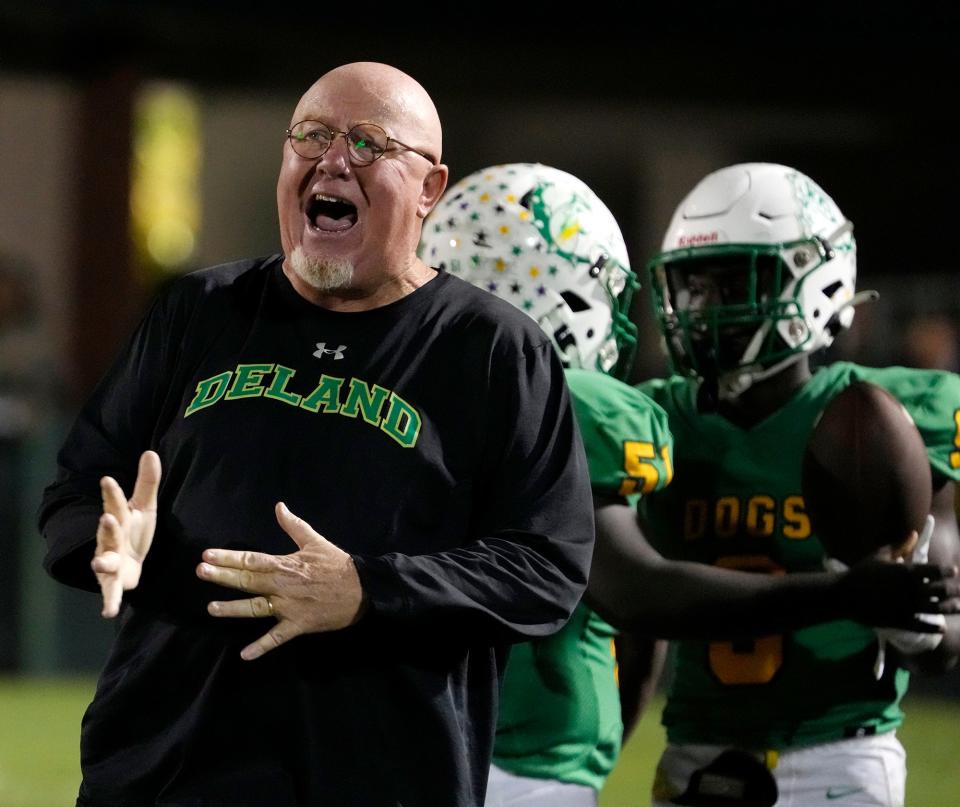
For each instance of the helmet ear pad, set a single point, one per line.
(760, 212)
(542, 240)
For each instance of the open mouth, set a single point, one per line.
(330, 213)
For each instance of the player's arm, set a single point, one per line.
(640, 656)
(634, 587)
(640, 661)
(637, 589)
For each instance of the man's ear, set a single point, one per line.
(434, 184)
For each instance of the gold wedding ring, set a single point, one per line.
(269, 605)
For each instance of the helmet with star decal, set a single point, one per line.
(541, 239)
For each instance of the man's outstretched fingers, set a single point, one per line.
(241, 559)
(257, 607)
(272, 639)
(106, 565)
(294, 526)
(241, 579)
(107, 568)
(109, 534)
(112, 590)
(148, 482)
(114, 502)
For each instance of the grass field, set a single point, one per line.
(930, 733)
(40, 729)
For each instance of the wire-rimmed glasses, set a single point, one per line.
(366, 142)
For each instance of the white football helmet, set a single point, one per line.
(542, 240)
(758, 269)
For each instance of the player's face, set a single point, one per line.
(365, 217)
(724, 299)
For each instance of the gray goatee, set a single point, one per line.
(322, 274)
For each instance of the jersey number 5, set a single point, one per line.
(639, 461)
(750, 660)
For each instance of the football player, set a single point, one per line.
(540, 238)
(756, 275)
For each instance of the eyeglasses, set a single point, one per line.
(366, 142)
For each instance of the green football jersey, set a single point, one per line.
(736, 502)
(559, 707)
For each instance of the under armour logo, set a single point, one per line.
(322, 351)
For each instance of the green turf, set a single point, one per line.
(930, 733)
(40, 729)
(40, 739)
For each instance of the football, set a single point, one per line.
(866, 477)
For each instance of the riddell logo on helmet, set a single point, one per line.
(698, 239)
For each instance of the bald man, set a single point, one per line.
(323, 490)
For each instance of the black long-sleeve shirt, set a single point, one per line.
(431, 438)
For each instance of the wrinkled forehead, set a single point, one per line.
(341, 104)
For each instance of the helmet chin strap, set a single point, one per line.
(734, 383)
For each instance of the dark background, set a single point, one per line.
(895, 70)
(862, 100)
(638, 101)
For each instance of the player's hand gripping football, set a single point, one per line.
(911, 642)
(125, 532)
(312, 590)
(912, 597)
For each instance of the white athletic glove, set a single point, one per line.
(910, 642)
(907, 642)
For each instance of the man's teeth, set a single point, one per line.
(322, 197)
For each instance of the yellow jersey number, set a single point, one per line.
(749, 660)
(955, 455)
(639, 463)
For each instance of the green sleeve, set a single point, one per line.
(627, 439)
(932, 397)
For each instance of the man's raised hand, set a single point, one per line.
(312, 590)
(125, 532)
